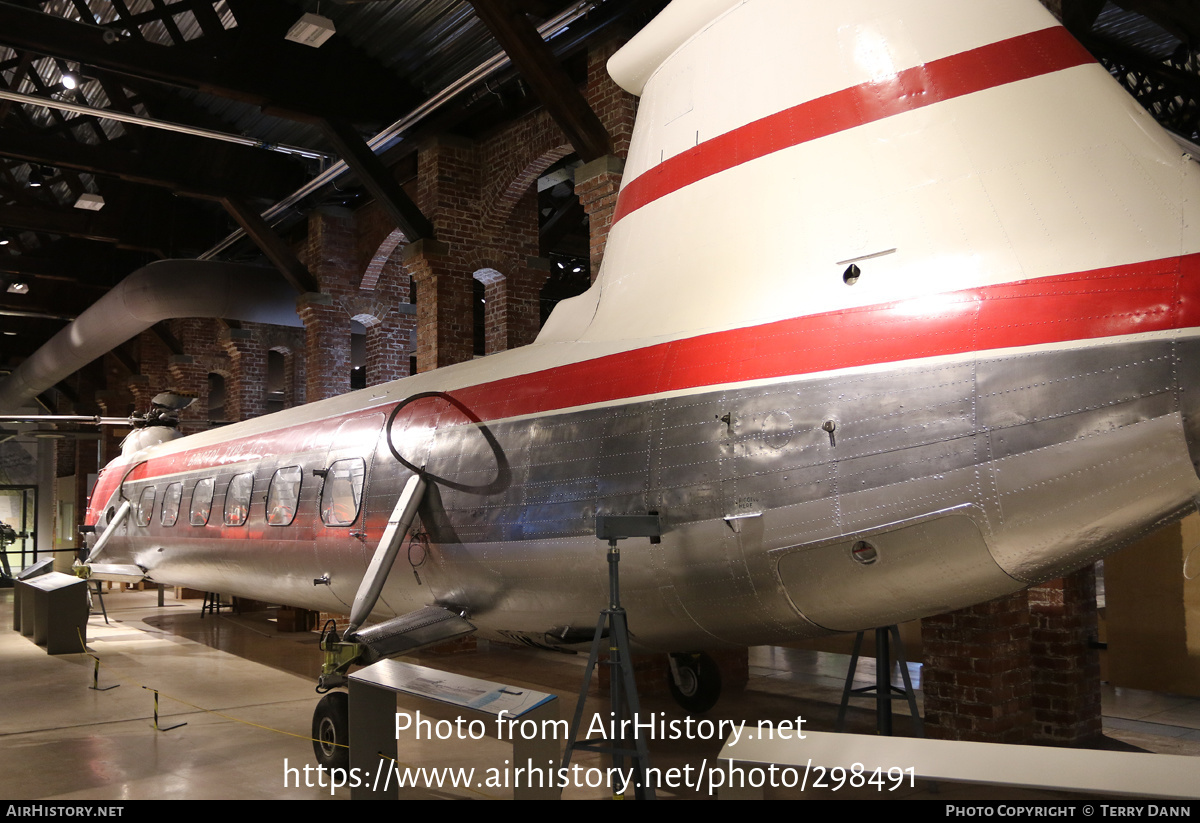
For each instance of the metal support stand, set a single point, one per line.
(622, 689)
(212, 604)
(100, 596)
(883, 690)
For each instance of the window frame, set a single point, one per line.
(162, 519)
(244, 500)
(274, 503)
(328, 508)
(212, 490)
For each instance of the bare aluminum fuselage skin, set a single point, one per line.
(1007, 392)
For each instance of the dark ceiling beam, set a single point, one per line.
(89, 268)
(1176, 16)
(567, 218)
(371, 172)
(256, 64)
(163, 332)
(154, 226)
(183, 164)
(1182, 82)
(1080, 15)
(537, 64)
(272, 245)
(126, 359)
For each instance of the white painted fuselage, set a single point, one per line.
(898, 314)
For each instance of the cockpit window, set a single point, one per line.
(145, 506)
(341, 495)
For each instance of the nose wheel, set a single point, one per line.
(331, 731)
(695, 682)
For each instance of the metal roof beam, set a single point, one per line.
(353, 149)
(271, 245)
(185, 165)
(256, 64)
(534, 59)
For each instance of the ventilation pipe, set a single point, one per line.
(163, 290)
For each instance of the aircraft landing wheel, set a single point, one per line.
(331, 731)
(699, 683)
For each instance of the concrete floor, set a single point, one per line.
(245, 692)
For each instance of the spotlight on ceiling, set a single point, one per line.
(70, 80)
(91, 202)
(4, 240)
(17, 287)
(35, 180)
(311, 30)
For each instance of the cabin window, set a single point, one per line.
(145, 507)
(170, 509)
(202, 497)
(237, 499)
(283, 496)
(341, 495)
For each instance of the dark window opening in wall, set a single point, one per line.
(569, 277)
(479, 305)
(276, 381)
(216, 398)
(358, 361)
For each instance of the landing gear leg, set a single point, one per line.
(331, 731)
(695, 682)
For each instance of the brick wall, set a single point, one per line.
(976, 679)
(1066, 667)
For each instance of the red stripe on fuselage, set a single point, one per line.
(997, 64)
(1157, 295)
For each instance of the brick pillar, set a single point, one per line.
(295, 373)
(615, 107)
(445, 328)
(495, 310)
(1066, 669)
(190, 378)
(246, 389)
(389, 343)
(525, 302)
(326, 346)
(143, 391)
(596, 184)
(976, 676)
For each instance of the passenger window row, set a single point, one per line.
(341, 497)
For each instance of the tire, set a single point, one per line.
(331, 731)
(700, 683)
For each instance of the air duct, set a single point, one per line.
(160, 291)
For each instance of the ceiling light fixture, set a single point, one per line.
(35, 179)
(16, 287)
(70, 80)
(311, 30)
(91, 202)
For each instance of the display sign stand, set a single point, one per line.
(374, 725)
